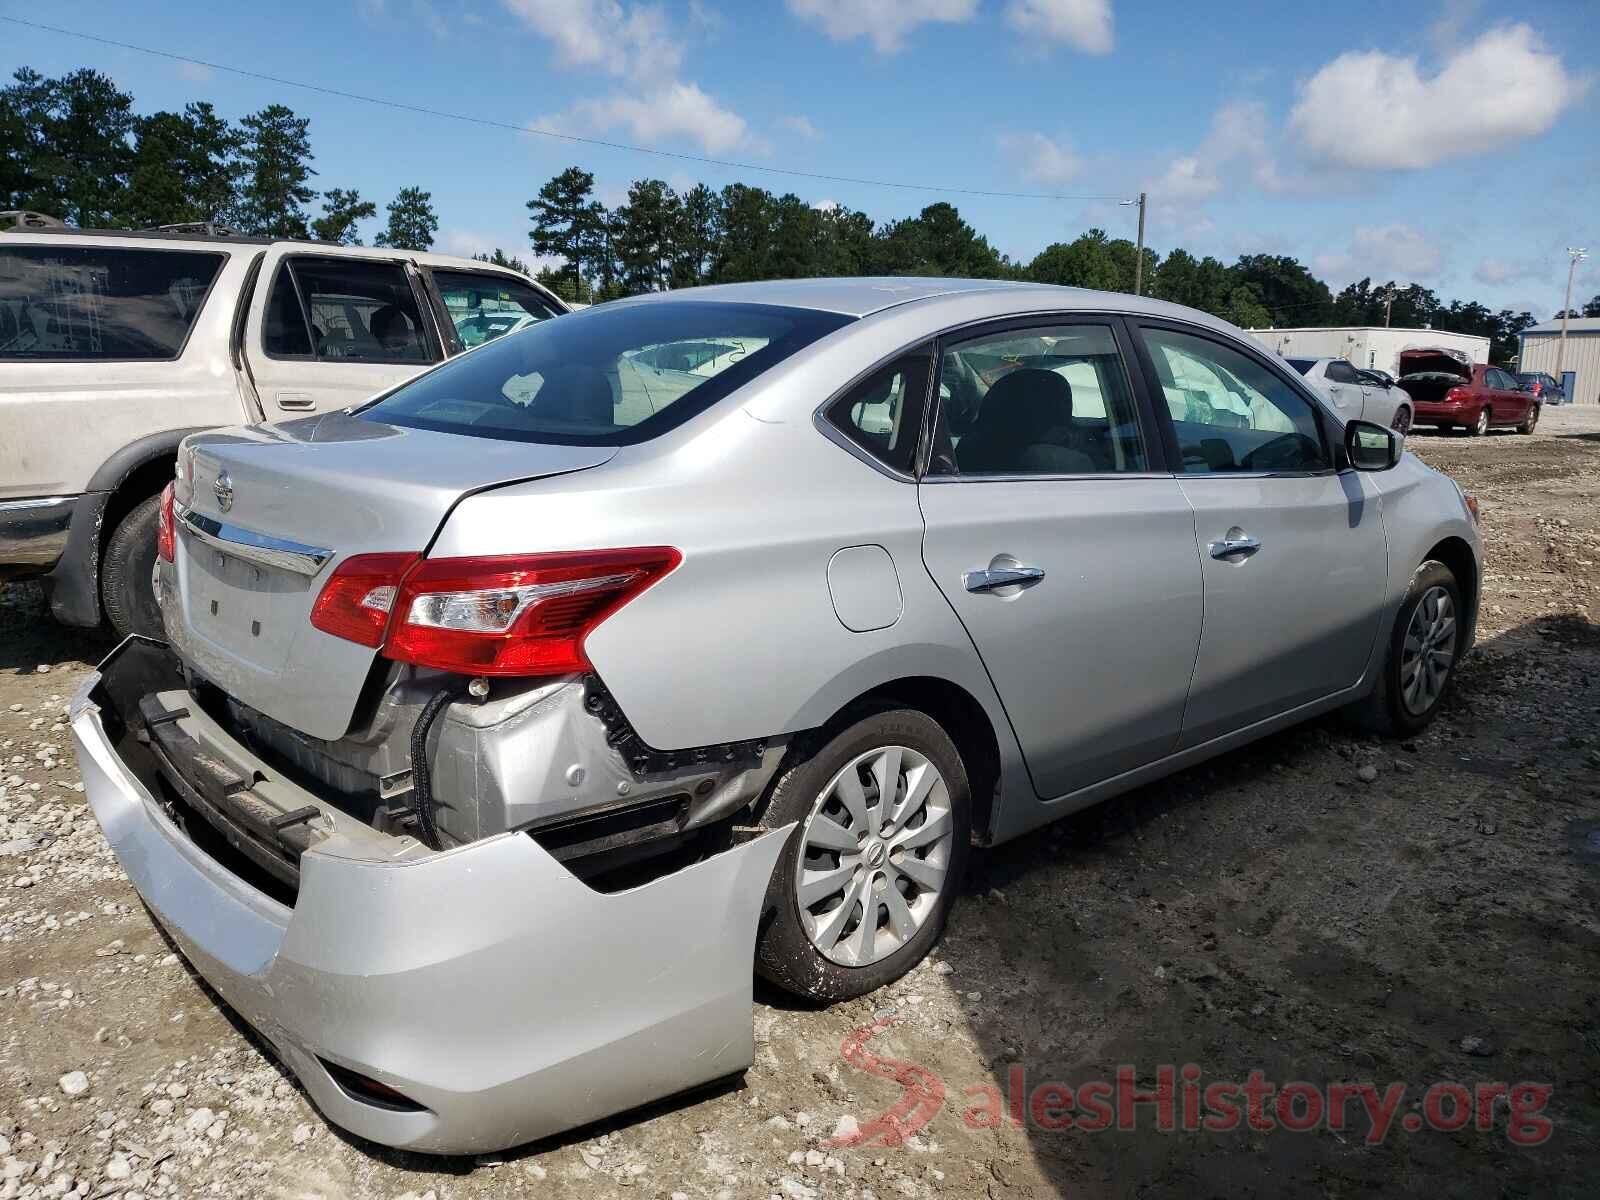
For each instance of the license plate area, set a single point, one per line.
(251, 609)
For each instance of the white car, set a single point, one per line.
(115, 344)
(1357, 394)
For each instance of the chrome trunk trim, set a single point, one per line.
(255, 547)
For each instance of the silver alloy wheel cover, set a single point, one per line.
(1428, 652)
(849, 876)
(1483, 420)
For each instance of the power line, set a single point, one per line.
(470, 119)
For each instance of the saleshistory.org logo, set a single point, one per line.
(1181, 1102)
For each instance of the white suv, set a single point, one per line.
(115, 345)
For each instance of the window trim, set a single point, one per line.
(1149, 432)
(225, 256)
(1169, 435)
(424, 304)
(831, 431)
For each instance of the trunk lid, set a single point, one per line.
(1434, 361)
(271, 512)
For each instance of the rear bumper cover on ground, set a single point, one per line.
(486, 983)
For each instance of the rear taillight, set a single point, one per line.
(1456, 393)
(499, 615)
(356, 601)
(166, 535)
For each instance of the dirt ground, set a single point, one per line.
(1321, 908)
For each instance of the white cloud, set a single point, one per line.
(633, 40)
(1372, 110)
(194, 72)
(801, 126)
(1040, 158)
(672, 110)
(1493, 272)
(1382, 252)
(826, 205)
(884, 22)
(1237, 146)
(1082, 24)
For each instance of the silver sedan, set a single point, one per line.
(503, 723)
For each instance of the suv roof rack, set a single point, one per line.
(19, 218)
(196, 229)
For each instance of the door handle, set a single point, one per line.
(989, 578)
(294, 400)
(1237, 542)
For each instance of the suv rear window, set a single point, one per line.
(611, 375)
(100, 302)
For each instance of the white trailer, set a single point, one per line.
(1369, 346)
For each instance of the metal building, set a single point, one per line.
(1540, 347)
(1371, 346)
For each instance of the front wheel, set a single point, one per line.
(130, 558)
(1424, 646)
(863, 888)
(1531, 420)
(1402, 420)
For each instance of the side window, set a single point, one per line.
(1229, 412)
(484, 305)
(1049, 401)
(883, 413)
(344, 310)
(1340, 371)
(100, 303)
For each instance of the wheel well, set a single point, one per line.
(138, 485)
(962, 717)
(1457, 555)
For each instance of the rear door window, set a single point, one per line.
(100, 303)
(483, 305)
(345, 310)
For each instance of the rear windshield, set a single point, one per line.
(1301, 364)
(100, 302)
(610, 375)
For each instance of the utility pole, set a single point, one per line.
(1388, 304)
(1138, 262)
(1577, 254)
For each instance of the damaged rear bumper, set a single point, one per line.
(500, 998)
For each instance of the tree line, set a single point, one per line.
(74, 147)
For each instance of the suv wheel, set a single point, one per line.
(1529, 421)
(130, 558)
(862, 891)
(1424, 647)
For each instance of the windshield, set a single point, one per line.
(1301, 364)
(610, 375)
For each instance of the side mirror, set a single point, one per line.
(1371, 447)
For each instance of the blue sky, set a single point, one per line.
(1453, 143)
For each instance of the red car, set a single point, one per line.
(1448, 391)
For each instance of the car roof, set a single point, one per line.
(865, 295)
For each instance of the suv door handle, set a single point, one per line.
(295, 400)
(989, 578)
(1236, 542)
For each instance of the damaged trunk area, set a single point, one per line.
(554, 760)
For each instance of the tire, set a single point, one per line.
(789, 946)
(130, 557)
(1530, 421)
(1481, 426)
(1402, 420)
(1392, 709)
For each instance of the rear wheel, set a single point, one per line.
(862, 891)
(1531, 420)
(130, 558)
(1481, 426)
(1424, 646)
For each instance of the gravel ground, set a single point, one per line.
(1323, 908)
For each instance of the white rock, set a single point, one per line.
(199, 1119)
(118, 1167)
(301, 1135)
(74, 1083)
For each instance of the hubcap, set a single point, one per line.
(1429, 651)
(1483, 421)
(874, 855)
